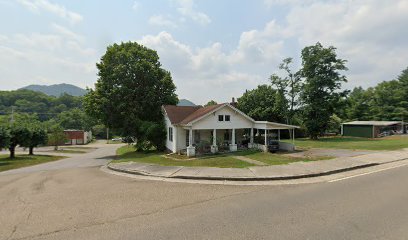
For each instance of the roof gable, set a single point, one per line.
(200, 113)
(176, 114)
(185, 115)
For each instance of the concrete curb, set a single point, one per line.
(271, 178)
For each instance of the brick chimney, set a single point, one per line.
(233, 103)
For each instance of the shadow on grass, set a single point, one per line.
(337, 139)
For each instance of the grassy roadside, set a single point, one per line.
(280, 159)
(24, 161)
(128, 154)
(386, 143)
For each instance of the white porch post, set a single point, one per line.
(190, 137)
(175, 130)
(266, 137)
(251, 138)
(278, 134)
(233, 146)
(266, 141)
(214, 147)
(190, 148)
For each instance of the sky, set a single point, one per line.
(214, 49)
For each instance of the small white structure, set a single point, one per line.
(196, 128)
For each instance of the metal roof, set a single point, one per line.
(373, 123)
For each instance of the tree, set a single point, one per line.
(334, 124)
(210, 103)
(261, 104)
(4, 137)
(38, 137)
(321, 90)
(75, 119)
(130, 90)
(56, 136)
(20, 135)
(288, 87)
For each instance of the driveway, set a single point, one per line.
(98, 157)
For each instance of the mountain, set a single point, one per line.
(57, 89)
(185, 102)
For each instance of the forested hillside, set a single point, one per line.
(57, 89)
(46, 107)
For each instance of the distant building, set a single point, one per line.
(78, 137)
(371, 129)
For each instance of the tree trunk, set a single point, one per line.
(12, 152)
(314, 137)
(31, 151)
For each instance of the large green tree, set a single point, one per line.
(75, 119)
(56, 136)
(387, 100)
(4, 137)
(131, 88)
(263, 103)
(321, 90)
(38, 137)
(288, 87)
(20, 135)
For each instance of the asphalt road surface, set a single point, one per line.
(76, 200)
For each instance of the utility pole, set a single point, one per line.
(107, 135)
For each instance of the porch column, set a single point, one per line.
(251, 138)
(190, 137)
(233, 146)
(190, 148)
(214, 147)
(278, 134)
(266, 141)
(266, 137)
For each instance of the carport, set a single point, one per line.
(370, 129)
(264, 128)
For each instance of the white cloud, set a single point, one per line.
(186, 8)
(66, 32)
(136, 5)
(218, 74)
(160, 20)
(56, 9)
(59, 56)
(370, 34)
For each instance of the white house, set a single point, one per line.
(201, 129)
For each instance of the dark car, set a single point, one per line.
(273, 146)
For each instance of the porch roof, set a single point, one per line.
(272, 125)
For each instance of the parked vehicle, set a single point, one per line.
(273, 146)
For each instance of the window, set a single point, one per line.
(170, 134)
(221, 118)
(227, 118)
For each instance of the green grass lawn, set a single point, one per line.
(386, 143)
(24, 161)
(222, 160)
(279, 158)
(126, 154)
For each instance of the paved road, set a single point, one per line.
(86, 203)
(98, 157)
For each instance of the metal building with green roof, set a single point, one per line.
(370, 129)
